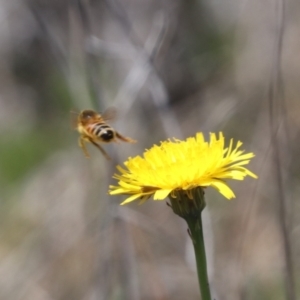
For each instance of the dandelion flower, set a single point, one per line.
(181, 170)
(177, 165)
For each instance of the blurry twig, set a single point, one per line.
(275, 98)
(56, 46)
(142, 69)
(136, 218)
(62, 53)
(250, 205)
(90, 61)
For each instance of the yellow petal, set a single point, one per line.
(131, 198)
(224, 189)
(161, 194)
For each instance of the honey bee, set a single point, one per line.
(93, 128)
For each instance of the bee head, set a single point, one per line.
(88, 115)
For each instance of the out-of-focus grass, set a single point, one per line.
(20, 154)
(259, 291)
(13, 230)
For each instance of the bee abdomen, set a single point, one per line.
(107, 135)
(103, 131)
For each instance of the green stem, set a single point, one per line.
(189, 205)
(195, 227)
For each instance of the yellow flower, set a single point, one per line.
(182, 165)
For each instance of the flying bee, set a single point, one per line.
(93, 128)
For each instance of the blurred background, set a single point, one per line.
(171, 68)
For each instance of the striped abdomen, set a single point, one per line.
(102, 131)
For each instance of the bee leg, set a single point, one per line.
(82, 146)
(101, 149)
(124, 138)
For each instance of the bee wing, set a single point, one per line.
(73, 119)
(109, 114)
